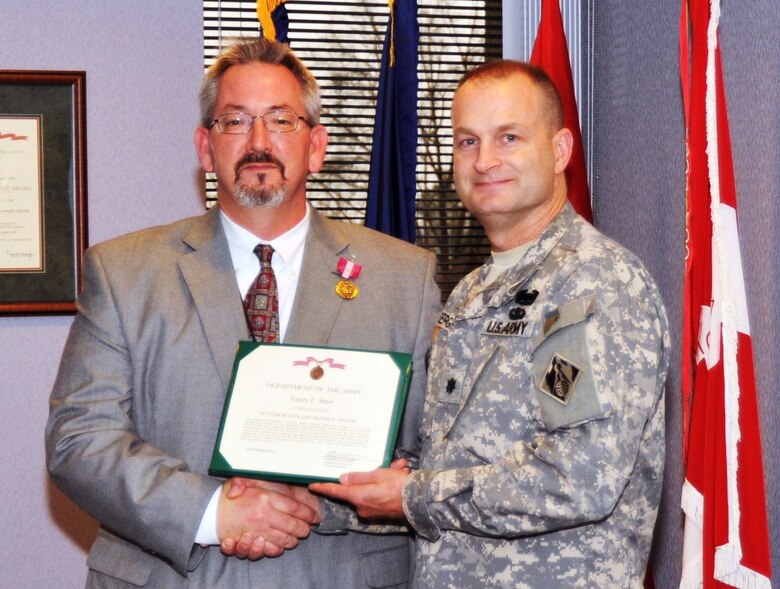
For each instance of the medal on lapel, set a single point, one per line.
(348, 270)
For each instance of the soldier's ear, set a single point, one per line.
(563, 143)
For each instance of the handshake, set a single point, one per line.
(261, 518)
(257, 519)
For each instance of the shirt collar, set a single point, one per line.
(288, 247)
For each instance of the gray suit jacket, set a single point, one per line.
(138, 398)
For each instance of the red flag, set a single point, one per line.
(552, 55)
(726, 535)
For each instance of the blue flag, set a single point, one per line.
(390, 207)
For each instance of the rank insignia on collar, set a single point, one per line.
(526, 297)
(560, 379)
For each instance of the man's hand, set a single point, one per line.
(238, 485)
(375, 494)
(259, 518)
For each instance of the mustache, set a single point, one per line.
(264, 157)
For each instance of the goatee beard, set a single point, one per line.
(266, 197)
(260, 197)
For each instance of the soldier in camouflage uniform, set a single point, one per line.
(543, 436)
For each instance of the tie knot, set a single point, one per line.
(263, 251)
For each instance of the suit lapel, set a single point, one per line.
(316, 302)
(208, 272)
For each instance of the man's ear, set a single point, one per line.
(203, 148)
(317, 148)
(563, 142)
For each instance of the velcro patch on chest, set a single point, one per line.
(516, 328)
(445, 321)
(449, 388)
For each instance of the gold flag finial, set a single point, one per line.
(392, 32)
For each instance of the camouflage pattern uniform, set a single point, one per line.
(543, 435)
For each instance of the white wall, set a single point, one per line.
(142, 58)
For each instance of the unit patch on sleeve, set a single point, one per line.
(560, 379)
(563, 369)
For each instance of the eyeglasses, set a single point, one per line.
(275, 121)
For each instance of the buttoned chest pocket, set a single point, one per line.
(563, 367)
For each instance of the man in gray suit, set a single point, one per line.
(139, 394)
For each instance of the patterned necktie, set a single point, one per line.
(261, 303)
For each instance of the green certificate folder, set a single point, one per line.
(301, 414)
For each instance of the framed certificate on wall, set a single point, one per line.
(43, 229)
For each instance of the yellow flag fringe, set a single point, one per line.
(264, 10)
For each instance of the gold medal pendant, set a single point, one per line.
(347, 290)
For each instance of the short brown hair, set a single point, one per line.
(504, 68)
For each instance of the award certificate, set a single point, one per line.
(302, 414)
(21, 197)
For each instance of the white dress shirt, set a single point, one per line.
(286, 263)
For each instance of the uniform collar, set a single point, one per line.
(476, 297)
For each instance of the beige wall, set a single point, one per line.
(142, 58)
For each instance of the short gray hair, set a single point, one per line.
(259, 50)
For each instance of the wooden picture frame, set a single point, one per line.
(43, 190)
